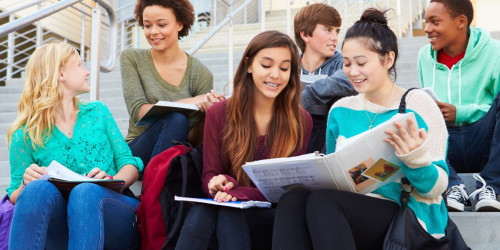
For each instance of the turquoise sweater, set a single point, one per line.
(97, 142)
(472, 84)
(424, 166)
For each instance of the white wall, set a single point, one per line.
(486, 14)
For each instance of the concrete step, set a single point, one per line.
(4, 154)
(476, 227)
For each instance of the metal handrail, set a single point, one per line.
(47, 11)
(216, 29)
(14, 10)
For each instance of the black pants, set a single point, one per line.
(331, 219)
(318, 134)
(234, 228)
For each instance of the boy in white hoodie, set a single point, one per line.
(462, 65)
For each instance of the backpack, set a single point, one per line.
(175, 171)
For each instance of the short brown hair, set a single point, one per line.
(308, 17)
(183, 11)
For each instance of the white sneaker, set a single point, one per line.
(457, 198)
(487, 198)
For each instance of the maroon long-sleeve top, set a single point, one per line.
(215, 122)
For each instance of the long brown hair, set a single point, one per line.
(285, 130)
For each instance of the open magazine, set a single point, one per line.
(162, 108)
(235, 204)
(65, 179)
(361, 164)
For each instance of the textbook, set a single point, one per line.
(162, 108)
(65, 179)
(431, 92)
(235, 204)
(360, 164)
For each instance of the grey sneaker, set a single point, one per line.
(487, 199)
(457, 198)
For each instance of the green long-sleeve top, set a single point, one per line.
(142, 84)
(96, 142)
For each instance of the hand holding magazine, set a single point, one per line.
(162, 108)
(65, 179)
(362, 164)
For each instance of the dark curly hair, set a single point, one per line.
(183, 10)
(458, 7)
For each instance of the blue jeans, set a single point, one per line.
(475, 148)
(234, 228)
(158, 137)
(93, 217)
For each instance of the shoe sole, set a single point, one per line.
(454, 206)
(488, 206)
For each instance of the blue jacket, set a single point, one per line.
(328, 90)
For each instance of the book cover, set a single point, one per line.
(162, 108)
(235, 204)
(65, 179)
(361, 164)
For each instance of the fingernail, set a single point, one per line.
(225, 188)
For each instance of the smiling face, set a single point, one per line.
(74, 77)
(323, 40)
(443, 30)
(160, 27)
(366, 69)
(270, 71)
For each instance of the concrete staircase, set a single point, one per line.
(477, 228)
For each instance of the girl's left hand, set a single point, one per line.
(97, 173)
(404, 141)
(224, 197)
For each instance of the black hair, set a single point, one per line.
(458, 7)
(373, 26)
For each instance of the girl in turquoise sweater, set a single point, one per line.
(331, 219)
(53, 124)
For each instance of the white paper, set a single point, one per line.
(235, 204)
(58, 171)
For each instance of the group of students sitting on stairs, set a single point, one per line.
(281, 106)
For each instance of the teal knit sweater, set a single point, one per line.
(425, 166)
(96, 142)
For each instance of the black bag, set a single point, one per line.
(175, 171)
(183, 179)
(406, 233)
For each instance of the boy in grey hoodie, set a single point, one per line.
(316, 29)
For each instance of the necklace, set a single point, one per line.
(376, 113)
(67, 130)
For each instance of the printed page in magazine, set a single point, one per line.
(367, 161)
(275, 177)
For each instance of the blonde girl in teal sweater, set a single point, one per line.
(53, 124)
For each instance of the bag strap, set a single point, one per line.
(402, 103)
(178, 216)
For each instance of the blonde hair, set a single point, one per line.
(40, 101)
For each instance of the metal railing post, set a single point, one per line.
(10, 50)
(288, 17)
(213, 18)
(123, 35)
(136, 42)
(262, 15)
(95, 53)
(230, 55)
(400, 31)
(82, 40)
(39, 30)
(411, 18)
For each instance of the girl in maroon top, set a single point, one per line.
(263, 119)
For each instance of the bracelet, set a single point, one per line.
(110, 177)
